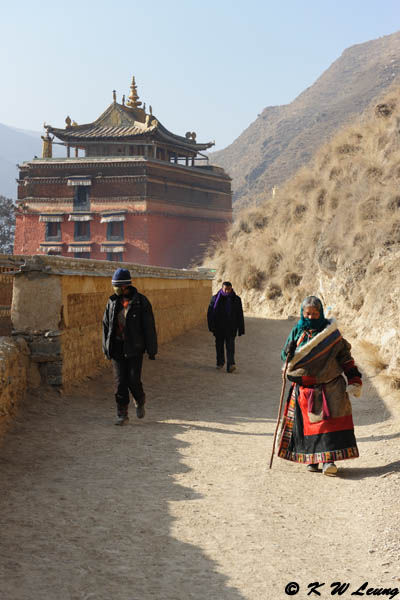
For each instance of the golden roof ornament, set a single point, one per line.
(47, 149)
(114, 96)
(68, 122)
(133, 100)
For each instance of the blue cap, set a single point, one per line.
(121, 277)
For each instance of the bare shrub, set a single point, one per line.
(385, 110)
(273, 262)
(347, 149)
(393, 235)
(299, 210)
(308, 185)
(372, 358)
(334, 202)
(258, 220)
(244, 226)
(291, 280)
(394, 204)
(255, 279)
(374, 173)
(395, 383)
(368, 210)
(359, 239)
(335, 173)
(274, 291)
(321, 198)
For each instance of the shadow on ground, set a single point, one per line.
(85, 505)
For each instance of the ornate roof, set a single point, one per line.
(120, 122)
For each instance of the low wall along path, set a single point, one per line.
(57, 310)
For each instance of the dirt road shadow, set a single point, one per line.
(87, 507)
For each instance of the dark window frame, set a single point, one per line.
(82, 198)
(115, 256)
(115, 237)
(81, 237)
(48, 234)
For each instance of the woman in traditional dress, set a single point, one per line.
(318, 425)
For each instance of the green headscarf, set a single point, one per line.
(312, 324)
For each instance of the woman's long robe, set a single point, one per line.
(318, 423)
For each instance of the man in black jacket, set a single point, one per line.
(225, 321)
(128, 331)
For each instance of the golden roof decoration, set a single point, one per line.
(124, 122)
(133, 100)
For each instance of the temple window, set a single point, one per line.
(82, 255)
(53, 232)
(81, 198)
(82, 230)
(115, 256)
(115, 231)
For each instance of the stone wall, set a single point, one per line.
(6, 290)
(17, 374)
(58, 305)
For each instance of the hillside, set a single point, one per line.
(332, 230)
(283, 138)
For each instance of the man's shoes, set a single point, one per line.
(122, 417)
(313, 468)
(329, 469)
(219, 367)
(231, 368)
(140, 412)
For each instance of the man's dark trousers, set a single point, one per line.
(222, 340)
(127, 374)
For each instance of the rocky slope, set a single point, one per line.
(332, 230)
(283, 138)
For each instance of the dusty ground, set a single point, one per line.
(182, 505)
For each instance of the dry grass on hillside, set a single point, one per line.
(333, 230)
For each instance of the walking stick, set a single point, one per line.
(288, 357)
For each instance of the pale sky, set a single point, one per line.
(208, 66)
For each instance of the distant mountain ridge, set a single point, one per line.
(283, 138)
(16, 146)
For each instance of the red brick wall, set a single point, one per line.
(29, 233)
(176, 242)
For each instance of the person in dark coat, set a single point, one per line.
(128, 331)
(225, 321)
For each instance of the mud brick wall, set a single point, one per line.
(17, 374)
(58, 306)
(6, 290)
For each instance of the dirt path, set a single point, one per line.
(182, 506)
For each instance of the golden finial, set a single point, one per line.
(123, 100)
(114, 96)
(68, 122)
(133, 100)
(47, 145)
